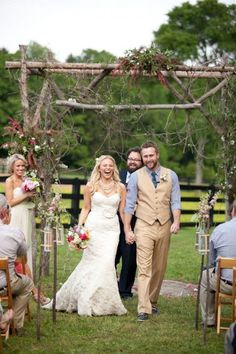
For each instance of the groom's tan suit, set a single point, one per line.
(152, 232)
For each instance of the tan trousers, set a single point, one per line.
(225, 288)
(153, 243)
(21, 289)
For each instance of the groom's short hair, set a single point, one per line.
(149, 144)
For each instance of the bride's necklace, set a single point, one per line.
(107, 188)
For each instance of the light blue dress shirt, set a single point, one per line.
(223, 244)
(132, 191)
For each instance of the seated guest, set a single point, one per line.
(230, 339)
(222, 244)
(13, 245)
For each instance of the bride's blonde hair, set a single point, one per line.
(95, 175)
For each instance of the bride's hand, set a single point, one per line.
(31, 194)
(132, 237)
(73, 246)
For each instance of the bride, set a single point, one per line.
(92, 289)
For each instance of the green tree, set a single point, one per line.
(199, 32)
(9, 94)
(39, 52)
(92, 56)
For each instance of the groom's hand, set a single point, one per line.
(129, 237)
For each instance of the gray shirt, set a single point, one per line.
(223, 244)
(12, 245)
(132, 191)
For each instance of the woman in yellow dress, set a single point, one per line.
(22, 211)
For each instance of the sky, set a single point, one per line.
(71, 26)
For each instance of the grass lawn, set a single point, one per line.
(171, 332)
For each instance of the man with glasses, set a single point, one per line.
(13, 245)
(125, 251)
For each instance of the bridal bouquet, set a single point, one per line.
(78, 237)
(29, 185)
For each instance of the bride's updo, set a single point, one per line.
(95, 175)
(12, 159)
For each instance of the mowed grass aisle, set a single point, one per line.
(171, 332)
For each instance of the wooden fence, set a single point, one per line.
(190, 197)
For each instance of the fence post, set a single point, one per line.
(212, 190)
(75, 199)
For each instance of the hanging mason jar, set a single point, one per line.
(203, 240)
(197, 239)
(47, 238)
(60, 235)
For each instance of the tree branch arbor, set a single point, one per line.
(181, 80)
(100, 71)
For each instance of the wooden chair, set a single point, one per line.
(222, 299)
(6, 293)
(234, 291)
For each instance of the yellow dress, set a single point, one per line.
(22, 216)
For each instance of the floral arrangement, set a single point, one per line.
(78, 237)
(207, 202)
(29, 144)
(29, 185)
(52, 211)
(149, 60)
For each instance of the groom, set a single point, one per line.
(125, 251)
(153, 193)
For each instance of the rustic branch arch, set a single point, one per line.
(99, 71)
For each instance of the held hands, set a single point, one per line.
(130, 237)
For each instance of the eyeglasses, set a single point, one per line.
(135, 160)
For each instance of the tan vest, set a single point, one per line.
(154, 203)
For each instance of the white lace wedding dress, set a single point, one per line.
(92, 289)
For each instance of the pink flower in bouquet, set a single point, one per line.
(29, 185)
(78, 237)
(70, 238)
(83, 236)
